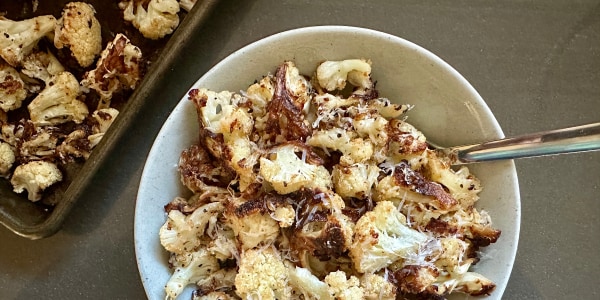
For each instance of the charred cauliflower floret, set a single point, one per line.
(58, 102)
(181, 233)
(189, 268)
(286, 112)
(415, 279)
(463, 186)
(76, 145)
(117, 69)
(225, 128)
(287, 169)
(35, 177)
(200, 172)
(153, 18)
(381, 237)
(18, 38)
(471, 283)
(104, 118)
(42, 65)
(79, 30)
(217, 286)
(332, 75)
(251, 223)
(7, 159)
(405, 183)
(12, 88)
(471, 224)
(322, 230)
(258, 97)
(30, 142)
(262, 275)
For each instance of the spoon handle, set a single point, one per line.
(568, 140)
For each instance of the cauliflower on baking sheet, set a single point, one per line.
(7, 159)
(53, 68)
(12, 88)
(18, 38)
(117, 69)
(303, 191)
(79, 30)
(34, 177)
(58, 102)
(41, 65)
(153, 18)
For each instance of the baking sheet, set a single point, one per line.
(44, 218)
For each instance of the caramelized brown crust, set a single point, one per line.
(198, 169)
(406, 177)
(285, 115)
(414, 279)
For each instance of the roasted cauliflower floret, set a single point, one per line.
(35, 177)
(7, 159)
(262, 275)
(220, 113)
(30, 142)
(353, 148)
(377, 287)
(41, 65)
(258, 97)
(343, 288)
(286, 117)
(225, 128)
(18, 38)
(214, 286)
(104, 118)
(76, 145)
(117, 69)
(12, 88)
(285, 169)
(58, 103)
(407, 184)
(355, 181)
(321, 234)
(190, 267)
(381, 237)
(332, 75)
(463, 281)
(181, 233)
(200, 172)
(309, 285)
(153, 18)
(79, 30)
(251, 223)
(415, 279)
(463, 186)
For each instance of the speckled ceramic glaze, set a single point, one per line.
(447, 110)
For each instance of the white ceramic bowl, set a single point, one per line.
(447, 109)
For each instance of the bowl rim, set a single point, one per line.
(501, 286)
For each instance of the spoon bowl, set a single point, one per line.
(560, 141)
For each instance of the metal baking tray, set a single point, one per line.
(44, 218)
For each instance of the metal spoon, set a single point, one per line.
(568, 140)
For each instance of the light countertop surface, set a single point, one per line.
(536, 64)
